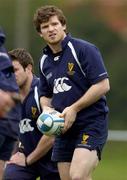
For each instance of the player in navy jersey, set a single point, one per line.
(7, 92)
(33, 158)
(74, 81)
(9, 113)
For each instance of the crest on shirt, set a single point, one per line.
(33, 110)
(84, 138)
(70, 68)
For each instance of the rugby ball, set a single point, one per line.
(49, 123)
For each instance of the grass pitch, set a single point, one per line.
(114, 162)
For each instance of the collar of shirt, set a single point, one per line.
(35, 81)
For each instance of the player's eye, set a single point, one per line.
(44, 27)
(55, 24)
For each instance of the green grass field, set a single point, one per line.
(114, 162)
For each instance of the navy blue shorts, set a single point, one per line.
(91, 136)
(6, 147)
(15, 172)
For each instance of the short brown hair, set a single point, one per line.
(43, 14)
(22, 56)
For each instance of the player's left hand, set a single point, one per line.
(69, 115)
(18, 158)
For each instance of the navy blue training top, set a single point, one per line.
(9, 124)
(66, 77)
(7, 77)
(29, 134)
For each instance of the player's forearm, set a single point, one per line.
(44, 145)
(45, 102)
(92, 95)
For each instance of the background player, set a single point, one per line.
(9, 113)
(34, 158)
(7, 93)
(72, 73)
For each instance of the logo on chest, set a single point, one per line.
(61, 85)
(70, 67)
(34, 112)
(25, 126)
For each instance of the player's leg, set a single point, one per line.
(15, 172)
(64, 168)
(2, 164)
(62, 153)
(89, 144)
(83, 163)
(6, 148)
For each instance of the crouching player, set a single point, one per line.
(33, 158)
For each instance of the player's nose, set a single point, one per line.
(50, 28)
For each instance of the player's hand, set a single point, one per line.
(16, 98)
(6, 103)
(69, 114)
(18, 158)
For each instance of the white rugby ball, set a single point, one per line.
(49, 123)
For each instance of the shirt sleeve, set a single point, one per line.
(93, 64)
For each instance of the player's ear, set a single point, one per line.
(64, 27)
(40, 34)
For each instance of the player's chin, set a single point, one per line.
(53, 41)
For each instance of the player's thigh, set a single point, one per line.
(64, 168)
(83, 162)
(2, 165)
(15, 172)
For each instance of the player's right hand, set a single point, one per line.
(6, 103)
(69, 115)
